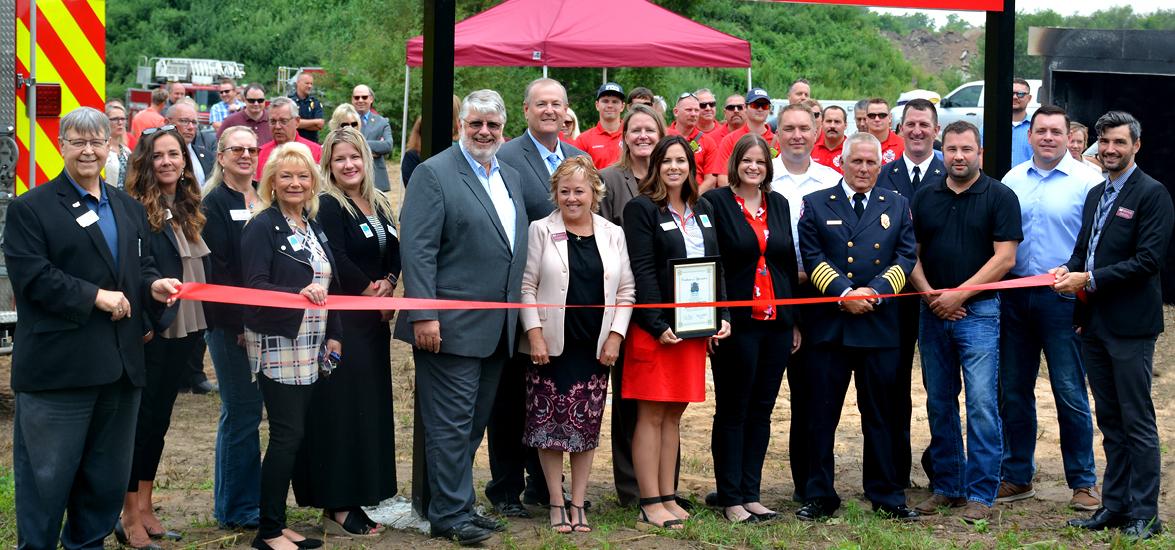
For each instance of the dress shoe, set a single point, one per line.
(765, 517)
(897, 513)
(930, 506)
(204, 388)
(308, 543)
(815, 511)
(712, 499)
(1142, 529)
(1010, 492)
(1101, 519)
(120, 534)
(1086, 498)
(976, 512)
(487, 523)
(511, 510)
(464, 533)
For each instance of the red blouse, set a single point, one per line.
(764, 288)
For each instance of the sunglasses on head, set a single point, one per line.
(687, 94)
(255, 100)
(166, 128)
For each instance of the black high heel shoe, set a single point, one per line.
(120, 535)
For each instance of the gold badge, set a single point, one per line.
(885, 221)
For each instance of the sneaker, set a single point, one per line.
(1010, 492)
(976, 512)
(1086, 498)
(930, 506)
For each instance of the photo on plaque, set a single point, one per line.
(695, 280)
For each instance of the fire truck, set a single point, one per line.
(201, 77)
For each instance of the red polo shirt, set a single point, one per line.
(263, 156)
(706, 150)
(604, 147)
(828, 157)
(892, 148)
(727, 147)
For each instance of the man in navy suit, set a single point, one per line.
(74, 250)
(535, 154)
(856, 240)
(1125, 230)
(918, 166)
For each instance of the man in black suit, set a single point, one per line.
(1125, 229)
(918, 166)
(535, 154)
(74, 250)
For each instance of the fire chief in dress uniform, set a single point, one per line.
(856, 240)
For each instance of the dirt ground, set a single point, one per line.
(184, 482)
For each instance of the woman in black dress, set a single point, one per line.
(349, 459)
(574, 257)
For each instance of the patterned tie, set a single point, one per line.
(917, 178)
(859, 204)
(1099, 222)
(552, 162)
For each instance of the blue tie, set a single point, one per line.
(1099, 222)
(552, 162)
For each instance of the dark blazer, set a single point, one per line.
(842, 252)
(454, 247)
(895, 177)
(165, 251)
(272, 264)
(222, 234)
(740, 251)
(1127, 300)
(521, 154)
(650, 247)
(357, 256)
(204, 145)
(56, 268)
(620, 186)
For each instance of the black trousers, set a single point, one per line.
(194, 374)
(748, 369)
(908, 312)
(1120, 375)
(165, 360)
(72, 453)
(509, 458)
(286, 405)
(876, 371)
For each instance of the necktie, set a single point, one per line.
(917, 178)
(859, 204)
(1099, 221)
(552, 162)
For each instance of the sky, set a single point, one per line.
(1068, 7)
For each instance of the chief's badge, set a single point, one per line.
(885, 221)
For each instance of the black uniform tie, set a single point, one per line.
(917, 178)
(859, 204)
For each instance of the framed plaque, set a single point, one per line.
(695, 280)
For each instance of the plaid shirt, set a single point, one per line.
(294, 361)
(220, 111)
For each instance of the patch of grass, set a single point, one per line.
(7, 508)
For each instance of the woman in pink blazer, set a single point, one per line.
(574, 257)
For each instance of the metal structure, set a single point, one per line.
(194, 71)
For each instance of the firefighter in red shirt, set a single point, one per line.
(758, 111)
(828, 148)
(685, 123)
(603, 141)
(878, 122)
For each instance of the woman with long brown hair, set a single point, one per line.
(159, 175)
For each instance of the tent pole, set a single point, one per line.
(605, 76)
(749, 85)
(544, 71)
(404, 123)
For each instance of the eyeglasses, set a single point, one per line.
(91, 143)
(479, 124)
(118, 119)
(1019, 95)
(737, 107)
(238, 151)
(348, 124)
(360, 97)
(186, 121)
(687, 94)
(876, 116)
(255, 100)
(708, 104)
(280, 121)
(166, 128)
(222, 92)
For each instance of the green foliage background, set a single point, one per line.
(839, 48)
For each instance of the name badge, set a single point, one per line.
(1124, 213)
(239, 215)
(87, 219)
(367, 232)
(668, 226)
(560, 236)
(833, 222)
(321, 237)
(295, 242)
(392, 231)
(705, 220)
(166, 213)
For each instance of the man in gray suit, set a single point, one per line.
(535, 154)
(467, 242)
(377, 131)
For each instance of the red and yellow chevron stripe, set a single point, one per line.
(71, 51)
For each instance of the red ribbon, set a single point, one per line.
(268, 298)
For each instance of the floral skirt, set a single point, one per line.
(565, 400)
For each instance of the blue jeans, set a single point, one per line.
(237, 489)
(969, 345)
(1033, 319)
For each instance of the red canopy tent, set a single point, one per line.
(578, 33)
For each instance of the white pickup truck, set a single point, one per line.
(966, 103)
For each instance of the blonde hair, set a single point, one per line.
(287, 153)
(379, 202)
(217, 176)
(581, 166)
(342, 112)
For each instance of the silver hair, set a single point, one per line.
(85, 121)
(483, 102)
(859, 137)
(283, 101)
(183, 101)
(660, 102)
(542, 82)
(701, 91)
(1114, 119)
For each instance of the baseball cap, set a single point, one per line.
(756, 94)
(610, 88)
